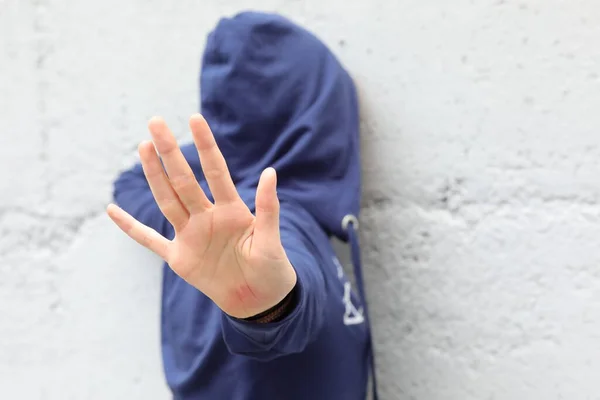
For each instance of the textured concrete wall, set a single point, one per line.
(481, 223)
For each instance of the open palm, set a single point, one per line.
(222, 249)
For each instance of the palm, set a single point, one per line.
(222, 249)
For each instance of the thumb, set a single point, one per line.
(266, 228)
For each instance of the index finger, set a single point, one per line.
(212, 161)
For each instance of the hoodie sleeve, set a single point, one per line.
(299, 328)
(132, 193)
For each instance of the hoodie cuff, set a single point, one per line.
(243, 333)
(278, 312)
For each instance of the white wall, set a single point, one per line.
(481, 223)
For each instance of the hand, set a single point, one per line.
(222, 249)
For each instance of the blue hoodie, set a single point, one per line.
(274, 95)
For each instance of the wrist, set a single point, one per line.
(278, 312)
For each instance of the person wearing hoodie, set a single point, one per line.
(255, 304)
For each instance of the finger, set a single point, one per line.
(139, 232)
(213, 164)
(163, 193)
(179, 172)
(266, 229)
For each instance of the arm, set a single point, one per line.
(303, 323)
(236, 258)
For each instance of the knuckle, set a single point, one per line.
(207, 145)
(214, 173)
(168, 147)
(169, 206)
(146, 240)
(266, 210)
(182, 181)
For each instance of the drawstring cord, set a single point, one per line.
(350, 225)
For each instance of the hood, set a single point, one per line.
(274, 95)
